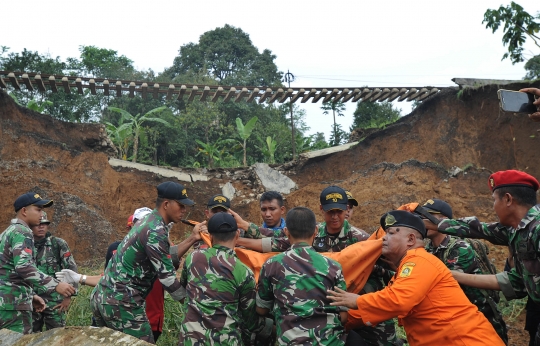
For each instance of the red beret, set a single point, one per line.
(130, 221)
(512, 178)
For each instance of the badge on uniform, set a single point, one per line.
(406, 270)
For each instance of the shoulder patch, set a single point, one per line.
(406, 270)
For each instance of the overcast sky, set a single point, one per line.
(324, 43)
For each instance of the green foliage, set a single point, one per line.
(244, 132)
(268, 150)
(228, 55)
(374, 115)
(510, 310)
(211, 150)
(318, 141)
(338, 135)
(105, 63)
(135, 123)
(533, 68)
(518, 24)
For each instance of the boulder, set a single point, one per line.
(80, 336)
(272, 180)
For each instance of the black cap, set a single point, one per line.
(351, 199)
(217, 201)
(333, 197)
(403, 218)
(222, 223)
(174, 191)
(31, 198)
(438, 206)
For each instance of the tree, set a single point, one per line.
(269, 149)
(228, 55)
(374, 115)
(120, 135)
(318, 141)
(338, 136)
(244, 131)
(211, 150)
(533, 68)
(518, 24)
(135, 124)
(105, 63)
(335, 107)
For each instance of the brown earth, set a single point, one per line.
(406, 162)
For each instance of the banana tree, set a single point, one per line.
(135, 124)
(211, 150)
(270, 149)
(244, 132)
(121, 136)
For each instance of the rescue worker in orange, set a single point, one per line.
(424, 296)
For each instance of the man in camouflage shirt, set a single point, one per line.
(52, 255)
(220, 291)
(118, 299)
(20, 279)
(293, 285)
(458, 254)
(334, 235)
(514, 196)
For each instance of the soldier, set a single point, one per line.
(293, 285)
(334, 235)
(117, 301)
(19, 276)
(351, 203)
(220, 291)
(272, 211)
(423, 295)
(514, 202)
(52, 255)
(458, 254)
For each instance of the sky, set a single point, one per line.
(328, 44)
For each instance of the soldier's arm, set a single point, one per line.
(279, 244)
(157, 250)
(509, 283)
(471, 227)
(252, 244)
(68, 262)
(25, 267)
(265, 292)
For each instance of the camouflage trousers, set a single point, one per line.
(131, 320)
(48, 317)
(19, 321)
(383, 334)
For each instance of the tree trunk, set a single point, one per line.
(335, 129)
(135, 146)
(245, 149)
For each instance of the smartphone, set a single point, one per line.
(516, 101)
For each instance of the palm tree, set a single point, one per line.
(136, 122)
(335, 107)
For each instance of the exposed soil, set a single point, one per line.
(408, 161)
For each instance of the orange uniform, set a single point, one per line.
(429, 304)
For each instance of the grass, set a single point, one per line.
(80, 313)
(511, 309)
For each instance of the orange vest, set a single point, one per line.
(429, 304)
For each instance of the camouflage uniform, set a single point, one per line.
(20, 279)
(523, 243)
(458, 254)
(384, 333)
(220, 300)
(118, 299)
(293, 284)
(52, 255)
(256, 232)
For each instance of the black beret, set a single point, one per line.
(403, 218)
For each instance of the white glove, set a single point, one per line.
(69, 276)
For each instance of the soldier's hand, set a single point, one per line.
(65, 289)
(340, 297)
(239, 221)
(69, 276)
(534, 91)
(200, 227)
(38, 303)
(64, 305)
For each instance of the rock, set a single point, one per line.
(80, 336)
(454, 171)
(228, 190)
(272, 180)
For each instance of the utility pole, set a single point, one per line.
(288, 78)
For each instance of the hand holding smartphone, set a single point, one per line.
(517, 101)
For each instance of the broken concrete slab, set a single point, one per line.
(164, 172)
(80, 336)
(327, 151)
(228, 191)
(272, 180)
